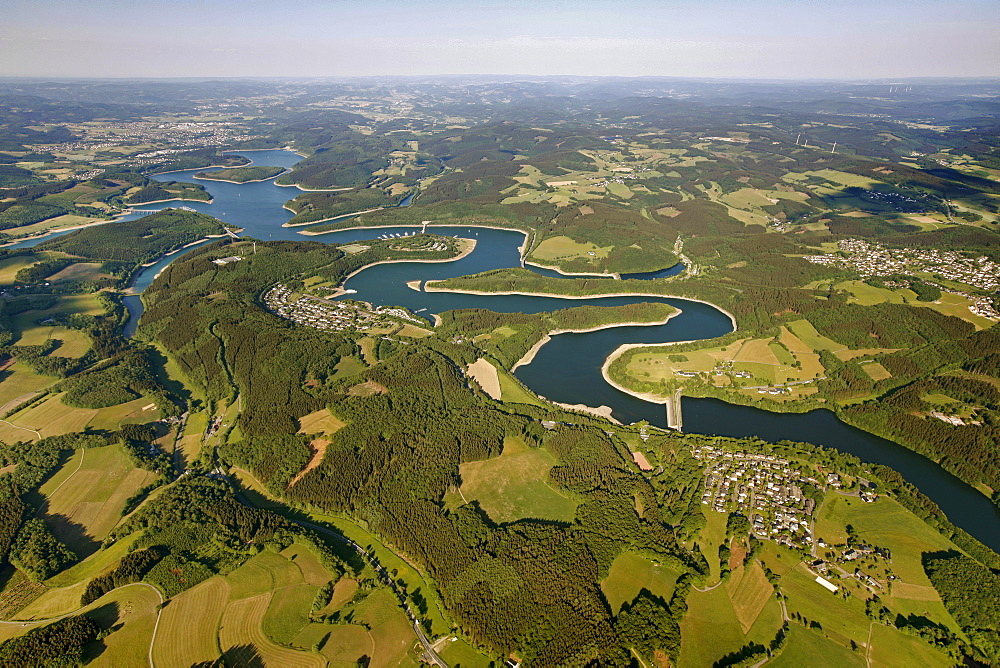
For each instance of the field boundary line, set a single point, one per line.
(83, 455)
(24, 428)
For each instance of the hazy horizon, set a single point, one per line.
(723, 39)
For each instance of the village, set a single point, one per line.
(871, 259)
(770, 492)
(326, 314)
(180, 136)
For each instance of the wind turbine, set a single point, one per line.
(834, 149)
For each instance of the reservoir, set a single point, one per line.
(567, 369)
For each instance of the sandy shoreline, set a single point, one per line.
(310, 190)
(172, 199)
(574, 274)
(239, 183)
(530, 355)
(428, 287)
(599, 411)
(326, 220)
(617, 352)
(471, 246)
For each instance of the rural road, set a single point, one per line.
(428, 646)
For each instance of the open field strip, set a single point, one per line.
(749, 591)
(241, 626)
(709, 629)
(891, 647)
(10, 266)
(85, 507)
(52, 417)
(188, 626)
(485, 375)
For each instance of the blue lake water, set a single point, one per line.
(567, 369)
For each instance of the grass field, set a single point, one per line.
(709, 630)
(189, 444)
(749, 591)
(809, 648)
(84, 508)
(132, 412)
(511, 391)
(562, 248)
(72, 342)
(320, 422)
(513, 486)
(389, 627)
(457, 652)
(189, 623)
(133, 611)
(313, 572)
(10, 267)
(288, 612)
(842, 620)
(349, 366)
(52, 417)
(81, 271)
(890, 647)
(344, 645)
(18, 381)
(876, 371)
(804, 330)
(710, 539)
(241, 627)
(630, 574)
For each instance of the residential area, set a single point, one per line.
(870, 258)
(771, 492)
(325, 314)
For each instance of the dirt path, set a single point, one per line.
(318, 446)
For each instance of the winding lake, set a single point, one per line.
(567, 369)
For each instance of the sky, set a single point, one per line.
(787, 39)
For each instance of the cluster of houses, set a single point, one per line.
(954, 419)
(331, 315)
(871, 259)
(189, 135)
(764, 488)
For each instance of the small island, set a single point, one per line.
(241, 174)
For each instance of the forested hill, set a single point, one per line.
(138, 241)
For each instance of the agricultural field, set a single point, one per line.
(807, 647)
(83, 507)
(513, 485)
(52, 417)
(320, 422)
(81, 271)
(561, 248)
(744, 365)
(260, 609)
